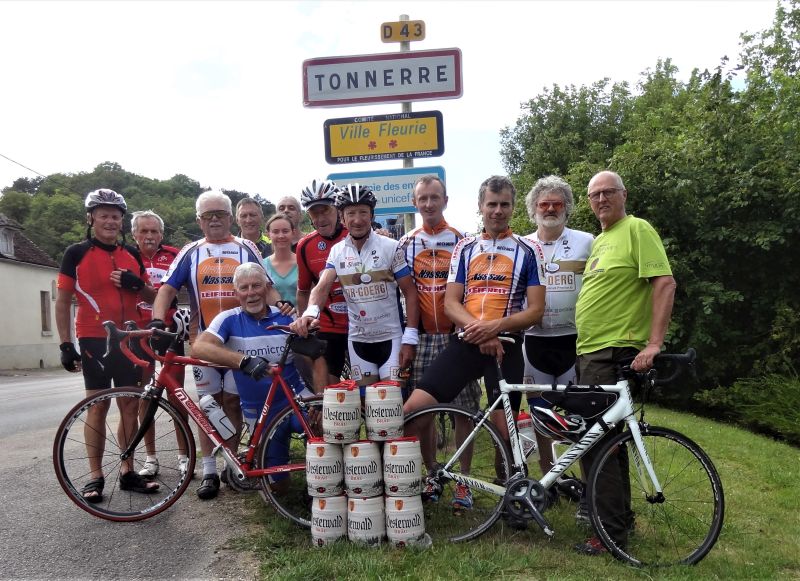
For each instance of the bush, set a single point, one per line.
(769, 404)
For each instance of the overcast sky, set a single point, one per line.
(213, 89)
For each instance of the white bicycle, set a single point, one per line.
(676, 506)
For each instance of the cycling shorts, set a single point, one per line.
(371, 362)
(336, 351)
(549, 360)
(100, 371)
(212, 380)
(461, 362)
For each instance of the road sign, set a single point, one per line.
(382, 78)
(392, 187)
(403, 31)
(380, 137)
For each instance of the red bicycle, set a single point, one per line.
(274, 455)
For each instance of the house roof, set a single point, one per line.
(24, 248)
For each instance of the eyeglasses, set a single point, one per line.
(218, 214)
(607, 193)
(545, 205)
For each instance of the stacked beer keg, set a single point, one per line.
(365, 489)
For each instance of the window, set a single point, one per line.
(47, 325)
(7, 242)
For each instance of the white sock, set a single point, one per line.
(151, 458)
(209, 465)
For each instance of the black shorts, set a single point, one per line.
(551, 355)
(336, 351)
(461, 362)
(99, 371)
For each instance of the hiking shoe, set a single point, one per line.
(209, 487)
(150, 469)
(462, 497)
(591, 547)
(582, 515)
(431, 490)
(183, 465)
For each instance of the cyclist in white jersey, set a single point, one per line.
(550, 345)
(370, 268)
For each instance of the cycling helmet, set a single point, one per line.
(318, 192)
(105, 197)
(553, 425)
(353, 194)
(181, 319)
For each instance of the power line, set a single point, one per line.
(23, 166)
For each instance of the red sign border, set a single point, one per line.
(426, 96)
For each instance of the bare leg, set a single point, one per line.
(94, 432)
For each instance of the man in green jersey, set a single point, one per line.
(622, 314)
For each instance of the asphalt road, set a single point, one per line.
(44, 536)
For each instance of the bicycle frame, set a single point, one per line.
(621, 410)
(166, 379)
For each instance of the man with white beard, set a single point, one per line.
(550, 346)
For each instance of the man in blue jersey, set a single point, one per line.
(240, 339)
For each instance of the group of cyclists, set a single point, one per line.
(390, 308)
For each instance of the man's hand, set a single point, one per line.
(644, 359)
(125, 279)
(159, 343)
(70, 358)
(302, 325)
(493, 348)
(407, 353)
(255, 367)
(286, 308)
(478, 332)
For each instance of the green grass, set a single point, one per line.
(760, 538)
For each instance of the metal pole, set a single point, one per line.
(405, 46)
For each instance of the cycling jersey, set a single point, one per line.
(428, 253)
(564, 263)
(85, 271)
(245, 334)
(312, 254)
(496, 273)
(369, 282)
(157, 267)
(206, 268)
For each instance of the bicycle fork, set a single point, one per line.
(643, 464)
(152, 395)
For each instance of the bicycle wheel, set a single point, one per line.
(284, 444)
(679, 528)
(100, 440)
(488, 460)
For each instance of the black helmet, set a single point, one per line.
(353, 194)
(558, 427)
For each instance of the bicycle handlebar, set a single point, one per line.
(682, 361)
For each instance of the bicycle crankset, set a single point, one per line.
(526, 499)
(228, 476)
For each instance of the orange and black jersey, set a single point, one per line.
(428, 253)
(496, 273)
(86, 271)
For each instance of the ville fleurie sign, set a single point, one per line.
(382, 78)
(392, 187)
(382, 137)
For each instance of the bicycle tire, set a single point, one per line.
(680, 529)
(287, 491)
(71, 456)
(490, 463)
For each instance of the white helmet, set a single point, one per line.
(319, 192)
(105, 197)
(553, 425)
(181, 319)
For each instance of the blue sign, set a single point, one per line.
(392, 187)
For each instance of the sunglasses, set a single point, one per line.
(546, 205)
(218, 214)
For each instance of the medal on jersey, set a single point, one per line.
(552, 267)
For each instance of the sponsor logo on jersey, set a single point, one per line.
(321, 245)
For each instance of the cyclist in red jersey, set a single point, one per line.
(108, 279)
(312, 254)
(147, 228)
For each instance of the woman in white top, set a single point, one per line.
(281, 265)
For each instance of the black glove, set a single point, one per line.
(69, 356)
(159, 343)
(255, 367)
(130, 281)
